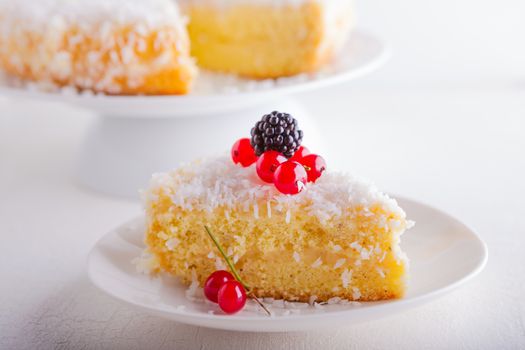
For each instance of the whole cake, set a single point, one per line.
(267, 38)
(291, 229)
(110, 46)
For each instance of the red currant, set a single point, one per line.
(290, 177)
(243, 153)
(314, 165)
(232, 297)
(215, 282)
(267, 163)
(300, 153)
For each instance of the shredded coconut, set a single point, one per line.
(146, 263)
(217, 182)
(172, 243)
(191, 292)
(380, 272)
(334, 300)
(288, 216)
(339, 263)
(346, 277)
(356, 293)
(317, 263)
(220, 264)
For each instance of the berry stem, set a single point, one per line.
(232, 268)
(234, 271)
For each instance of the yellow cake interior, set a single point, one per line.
(265, 40)
(325, 242)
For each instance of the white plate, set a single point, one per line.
(443, 253)
(213, 93)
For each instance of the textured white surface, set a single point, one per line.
(460, 150)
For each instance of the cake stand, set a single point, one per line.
(135, 136)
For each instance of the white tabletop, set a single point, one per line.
(460, 149)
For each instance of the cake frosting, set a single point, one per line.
(210, 183)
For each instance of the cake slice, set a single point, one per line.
(108, 46)
(267, 39)
(339, 237)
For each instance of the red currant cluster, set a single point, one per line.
(222, 288)
(288, 175)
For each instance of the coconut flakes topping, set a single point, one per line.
(317, 263)
(59, 13)
(380, 272)
(337, 248)
(346, 277)
(146, 263)
(339, 263)
(217, 182)
(356, 293)
(172, 243)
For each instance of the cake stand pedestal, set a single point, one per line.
(135, 136)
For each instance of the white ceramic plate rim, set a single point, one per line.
(378, 310)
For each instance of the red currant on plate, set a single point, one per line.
(232, 297)
(290, 177)
(267, 163)
(215, 282)
(314, 165)
(243, 153)
(300, 153)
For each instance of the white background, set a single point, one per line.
(449, 42)
(442, 122)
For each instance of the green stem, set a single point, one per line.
(232, 268)
(234, 271)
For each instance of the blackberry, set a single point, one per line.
(276, 131)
